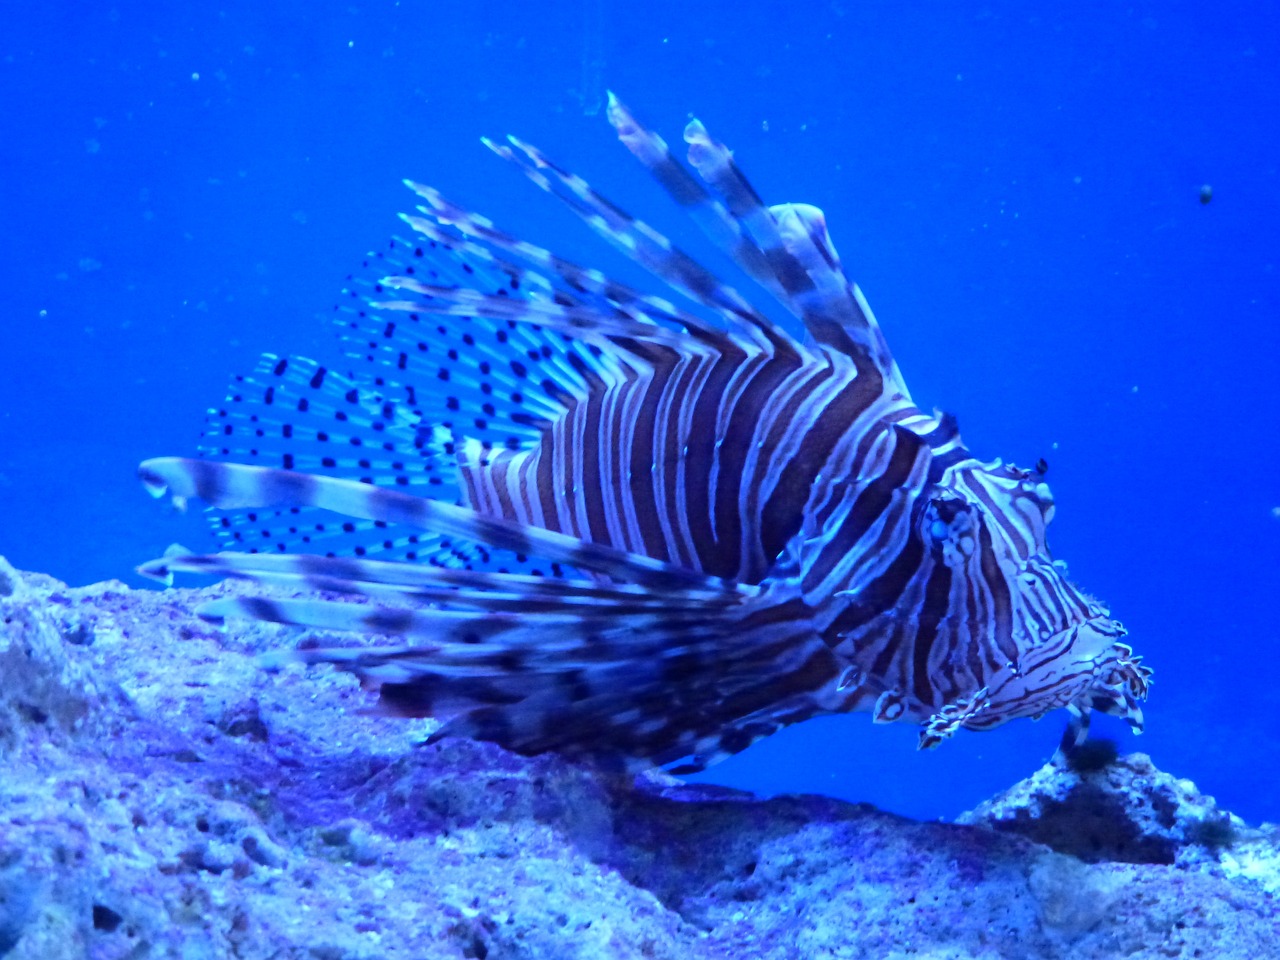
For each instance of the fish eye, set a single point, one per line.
(946, 519)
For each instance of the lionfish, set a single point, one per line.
(583, 518)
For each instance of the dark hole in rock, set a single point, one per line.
(78, 633)
(105, 919)
(246, 724)
(32, 712)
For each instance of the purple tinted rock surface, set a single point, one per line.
(162, 796)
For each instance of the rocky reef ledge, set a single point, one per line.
(160, 796)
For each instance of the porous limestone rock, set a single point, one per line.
(162, 796)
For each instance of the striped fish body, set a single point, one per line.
(651, 533)
(703, 458)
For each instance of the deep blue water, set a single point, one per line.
(1015, 186)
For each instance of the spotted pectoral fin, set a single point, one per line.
(583, 675)
(420, 584)
(295, 413)
(681, 694)
(441, 605)
(660, 675)
(230, 485)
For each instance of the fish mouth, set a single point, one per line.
(1120, 681)
(1085, 667)
(1119, 688)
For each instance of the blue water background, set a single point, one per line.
(1014, 185)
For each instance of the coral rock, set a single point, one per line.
(162, 796)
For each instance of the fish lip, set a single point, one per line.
(1098, 671)
(1120, 680)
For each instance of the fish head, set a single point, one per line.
(1018, 633)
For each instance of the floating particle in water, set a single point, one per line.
(1206, 193)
